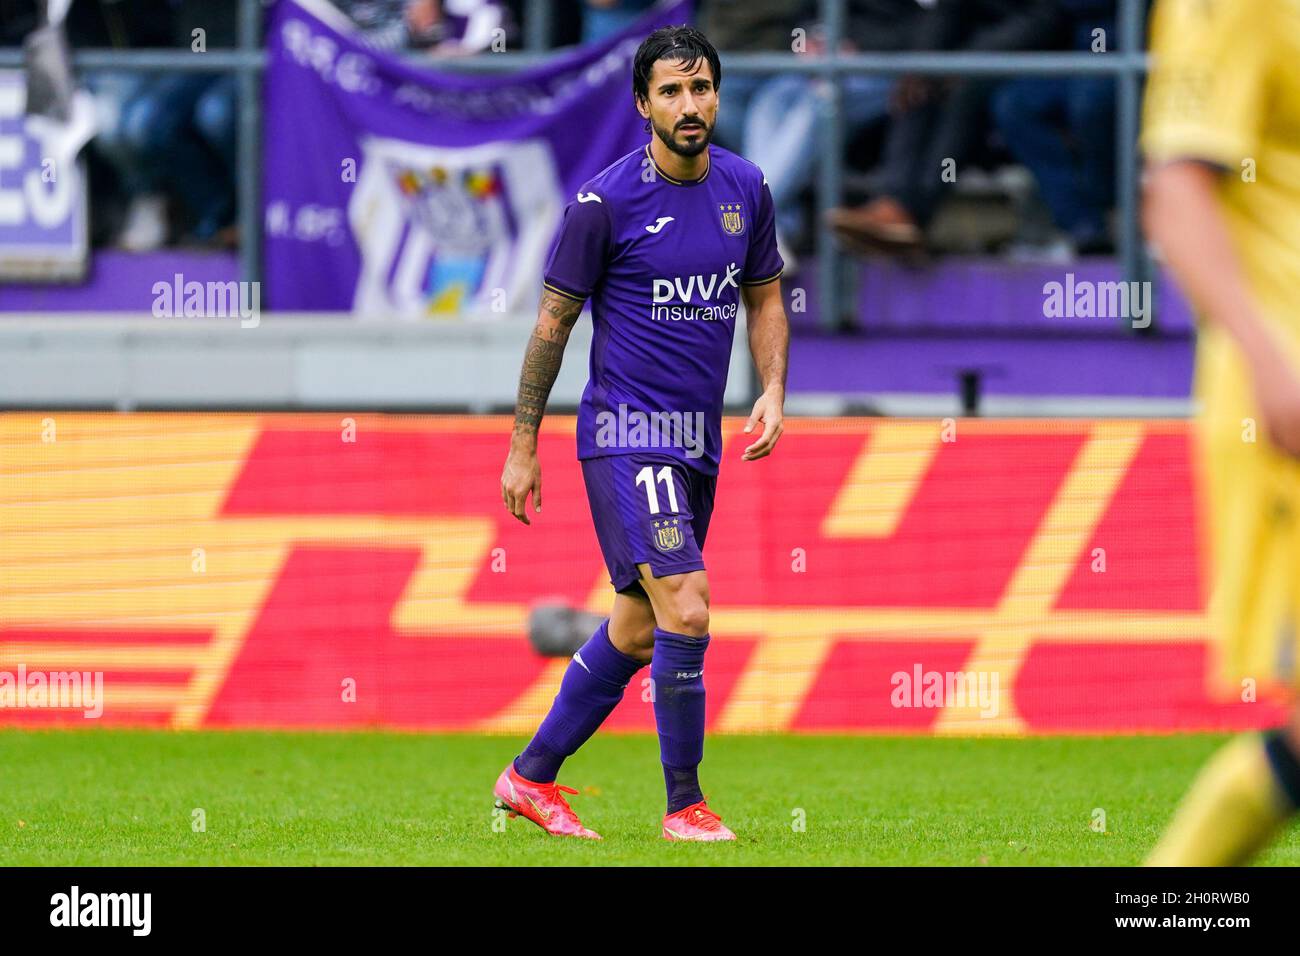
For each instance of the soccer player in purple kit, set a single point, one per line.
(665, 242)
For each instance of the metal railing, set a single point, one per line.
(1127, 65)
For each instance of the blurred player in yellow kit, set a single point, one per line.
(1222, 144)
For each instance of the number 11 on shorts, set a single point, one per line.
(647, 476)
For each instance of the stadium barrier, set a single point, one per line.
(287, 360)
(337, 571)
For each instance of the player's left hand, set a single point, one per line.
(768, 411)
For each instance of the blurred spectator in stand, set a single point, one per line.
(1063, 129)
(121, 191)
(17, 19)
(937, 123)
(750, 103)
(458, 27)
(173, 135)
(748, 26)
(381, 22)
(566, 20)
(179, 130)
(604, 17)
(773, 120)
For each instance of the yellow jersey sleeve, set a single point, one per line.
(1207, 94)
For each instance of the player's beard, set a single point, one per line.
(668, 138)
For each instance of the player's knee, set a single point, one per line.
(693, 617)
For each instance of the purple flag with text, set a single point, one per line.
(396, 191)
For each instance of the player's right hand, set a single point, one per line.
(1277, 394)
(522, 475)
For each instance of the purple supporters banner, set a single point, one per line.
(394, 191)
(43, 218)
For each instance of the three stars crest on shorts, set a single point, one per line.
(668, 535)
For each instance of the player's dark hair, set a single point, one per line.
(683, 43)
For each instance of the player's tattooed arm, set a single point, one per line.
(556, 318)
(769, 344)
(522, 474)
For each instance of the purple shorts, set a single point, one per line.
(648, 507)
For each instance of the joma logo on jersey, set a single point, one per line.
(685, 288)
(733, 218)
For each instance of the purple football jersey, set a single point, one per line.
(662, 261)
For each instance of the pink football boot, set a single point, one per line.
(541, 803)
(696, 822)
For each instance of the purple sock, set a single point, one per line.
(592, 687)
(677, 670)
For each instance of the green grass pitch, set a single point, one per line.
(110, 797)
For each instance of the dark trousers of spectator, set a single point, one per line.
(1063, 130)
(921, 141)
(182, 128)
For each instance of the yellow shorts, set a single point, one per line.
(1251, 499)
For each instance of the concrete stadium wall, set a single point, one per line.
(285, 361)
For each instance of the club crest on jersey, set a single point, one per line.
(668, 534)
(733, 218)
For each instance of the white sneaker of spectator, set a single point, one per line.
(146, 224)
(1057, 250)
